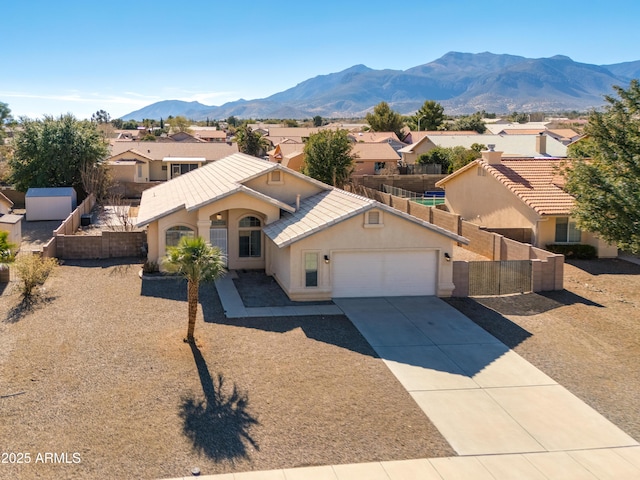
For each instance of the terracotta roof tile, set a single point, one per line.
(537, 183)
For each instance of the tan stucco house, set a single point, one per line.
(290, 155)
(141, 162)
(518, 193)
(317, 241)
(520, 145)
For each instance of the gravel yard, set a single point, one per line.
(98, 369)
(586, 337)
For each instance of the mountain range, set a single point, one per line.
(462, 83)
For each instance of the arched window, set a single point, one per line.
(250, 233)
(174, 234)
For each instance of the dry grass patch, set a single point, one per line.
(101, 370)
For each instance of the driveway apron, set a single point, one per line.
(482, 396)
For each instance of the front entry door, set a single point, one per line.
(218, 238)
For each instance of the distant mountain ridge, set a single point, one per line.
(462, 82)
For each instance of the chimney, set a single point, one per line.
(491, 156)
(541, 144)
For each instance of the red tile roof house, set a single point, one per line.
(518, 193)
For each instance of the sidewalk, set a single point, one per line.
(505, 418)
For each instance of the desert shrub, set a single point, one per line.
(150, 267)
(578, 251)
(33, 271)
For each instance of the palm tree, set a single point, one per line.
(197, 262)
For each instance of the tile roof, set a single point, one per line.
(536, 182)
(226, 176)
(159, 150)
(511, 145)
(374, 152)
(329, 208)
(374, 137)
(203, 185)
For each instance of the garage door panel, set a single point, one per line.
(371, 274)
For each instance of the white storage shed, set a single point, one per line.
(55, 203)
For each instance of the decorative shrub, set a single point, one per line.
(33, 270)
(577, 251)
(150, 267)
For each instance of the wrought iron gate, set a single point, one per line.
(499, 278)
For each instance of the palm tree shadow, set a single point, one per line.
(218, 425)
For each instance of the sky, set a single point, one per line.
(81, 56)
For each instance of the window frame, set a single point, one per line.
(178, 228)
(253, 232)
(569, 229)
(311, 275)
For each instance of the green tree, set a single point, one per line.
(383, 119)
(519, 117)
(180, 124)
(117, 123)
(437, 156)
(250, 142)
(328, 157)
(5, 117)
(607, 186)
(460, 156)
(7, 250)
(471, 122)
(582, 148)
(232, 121)
(54, 151)
(100, 117)
(317, 121)
(197, 262)
(451, 158)
(429, 117)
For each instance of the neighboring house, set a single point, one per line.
(415, 137)
(317, 241)
(533, 146)
(5, 204)
(500, 125)
(505, 194)
(141, 162)
(378, 137)
(370, 158)
(564, 135)
(127, 135)
(209, 134)
(183, 137)
(373, 158)
(290, 155)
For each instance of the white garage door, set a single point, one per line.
(373, 274)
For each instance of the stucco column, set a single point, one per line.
(203, 229)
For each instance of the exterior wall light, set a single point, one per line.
(326, 259)
(447, 257)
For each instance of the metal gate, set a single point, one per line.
(499, 278)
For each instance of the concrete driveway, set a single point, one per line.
(483, 397)
(505, 418)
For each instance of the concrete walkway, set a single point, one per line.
(505, 418)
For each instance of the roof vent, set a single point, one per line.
(491, 147)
